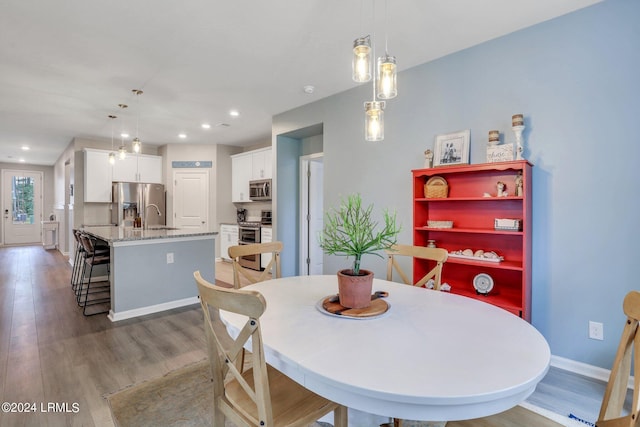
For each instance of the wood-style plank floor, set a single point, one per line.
(50, 352)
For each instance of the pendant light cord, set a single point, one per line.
(373, 47)
(111, 116)
(386, 27)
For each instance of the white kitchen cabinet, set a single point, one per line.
(240, 177)
(138, 168)
(261, 164)
(97, 176)
(150, 169)
(266, 236)
(228, 237)
(125, 170)
(247, 166)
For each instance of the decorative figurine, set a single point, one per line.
(518, 183)
(501, 188)
(428, 159)
(494, 137)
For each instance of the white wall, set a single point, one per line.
(575, 80)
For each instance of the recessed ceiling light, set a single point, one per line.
(124, 135)
(309, 89)
(25, 148)
(21, 160)
(234, 113)
(206, 126)
(182, 135)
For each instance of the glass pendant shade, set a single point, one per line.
(374, 121)
(387, 77)
(112, 158)
(122, 152)
(136, 144)
(361, 65)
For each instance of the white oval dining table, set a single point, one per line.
(432, 356)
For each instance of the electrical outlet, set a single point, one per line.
(170, 258)
(596, 330)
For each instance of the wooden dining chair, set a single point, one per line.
(261, 395)
(256, 249)
(437, 255)
(611, 411)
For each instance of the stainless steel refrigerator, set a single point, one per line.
(131, 200)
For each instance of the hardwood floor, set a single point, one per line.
(51, 353)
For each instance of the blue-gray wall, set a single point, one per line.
(575, 79)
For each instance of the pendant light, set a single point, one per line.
(112, 154)
(374, 118)
(122, 150)
(361, 63)
(374, 112)
(136, 144)
(386, 67)
(374, 121)
(384, 80)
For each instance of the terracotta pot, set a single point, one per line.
(355, 291)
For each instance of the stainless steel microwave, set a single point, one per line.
(260, 189)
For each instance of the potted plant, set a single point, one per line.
(351, 230)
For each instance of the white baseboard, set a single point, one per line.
(584, 369)
(142, 311)
(560, 419)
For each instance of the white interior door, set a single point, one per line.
(311, 214)
(191, 199)
(22, 206)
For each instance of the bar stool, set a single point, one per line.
(78, 261)
(100, 294)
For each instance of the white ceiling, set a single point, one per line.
(65, 65)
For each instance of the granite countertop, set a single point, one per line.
(112, 234)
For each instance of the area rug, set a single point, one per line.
(183, 398)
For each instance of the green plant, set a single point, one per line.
(350, 230)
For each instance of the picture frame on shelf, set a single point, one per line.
(452, 148)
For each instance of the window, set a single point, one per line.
(22, 189)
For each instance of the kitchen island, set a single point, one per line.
(152, 269)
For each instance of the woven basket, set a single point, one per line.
(436, 188)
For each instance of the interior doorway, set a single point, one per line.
(191, 199)
(311, 213)
(21, 206)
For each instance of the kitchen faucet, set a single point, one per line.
(155, 206)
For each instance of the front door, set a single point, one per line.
(191, 199)
(21, 206)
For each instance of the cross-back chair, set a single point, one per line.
(437, 255)
(256, 249)
(611, 411)
(261, 395)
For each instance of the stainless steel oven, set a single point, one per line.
(249, 233)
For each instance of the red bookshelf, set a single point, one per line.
(473, 218)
